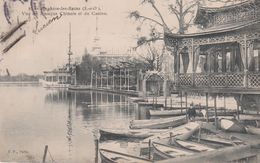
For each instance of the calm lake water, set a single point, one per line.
(32, 117)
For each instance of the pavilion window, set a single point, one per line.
(228, 62)
(54, 78)
(255, 63)
(224, 59)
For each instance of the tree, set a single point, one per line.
(86, 66)
(183, 10)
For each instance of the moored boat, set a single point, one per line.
(182, 132)
(253, 130)
(158, 123)
(109, 156)
(215, 139)
(194, 146)
(135, 134)
(231, 125)
(167, 112)
(167, 151)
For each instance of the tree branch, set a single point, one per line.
(160, 15)
(175, 11)
(188, 9)
(147, 18)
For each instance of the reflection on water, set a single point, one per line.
(32, 117)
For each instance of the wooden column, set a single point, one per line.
(128, 85)
(125, 78)
(101, 78)
(137, 81)
(91, 78)
(120, 80)
(107, 79)
(215, 109)
(207, 107)
(237, 110)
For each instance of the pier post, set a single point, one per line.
(207, 106)
(171, 138)
(215, 109)
(149, 150)
(165, 102)
(101, 78)
(96, 80)
(125, 78)
(153, 99)
(199, 134)
(237, 110)
(225, 104)
(156, 100)
(171, 101)
(45, 153)
(113, 80)
(181, 100)
(96, 150)
(186, 105)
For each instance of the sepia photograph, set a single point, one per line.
(129, 81)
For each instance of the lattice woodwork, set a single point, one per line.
(201, 80)
(235, 80)
(217, 80)
(185, 79)
(254, 80)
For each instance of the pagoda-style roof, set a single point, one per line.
(254, 24)
(206, 14)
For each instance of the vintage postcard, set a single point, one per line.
(123, 81)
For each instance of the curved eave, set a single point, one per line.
(211, 10)
(228, 7)
(212, 31)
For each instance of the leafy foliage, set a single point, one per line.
(85, 68)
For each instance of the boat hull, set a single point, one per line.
(182, 132)
(231, 125)
(162, 124)
(134, 134)
(108, 156)
(165, 151)
(167, 112)
(253, 130)
(196, 147)
(46, 84)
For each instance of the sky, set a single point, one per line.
(48, 48)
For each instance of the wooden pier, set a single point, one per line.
(105, 89)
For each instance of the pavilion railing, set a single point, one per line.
(219, 80)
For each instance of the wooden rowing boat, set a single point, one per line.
(167, 112)
(215, 139)
(109, 156)
(167, 151)
(231, 125)
(135, 134)
(182, 132)
(196, 147)
(158, 123)
(253, 130)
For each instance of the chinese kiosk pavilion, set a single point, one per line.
(224, 56)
